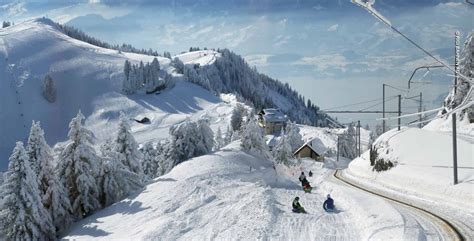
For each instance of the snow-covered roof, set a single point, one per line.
(314, 144)
(274, 115)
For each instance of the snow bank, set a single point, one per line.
(423, 166)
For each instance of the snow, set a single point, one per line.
(30, 50)
(201, 57)
(423, 170)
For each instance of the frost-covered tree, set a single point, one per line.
(178, 65)
(116, 181)
(126, 144)
(252, 138)
(283, 152)
(293, 135)
(167, 54)
(150, 163)
(53, 194)
(228, 135)
(348, 143)
(237, 117)
(6, 24)
(205, 142)
(219, 139)
(48, 89)
(77, 168)
(22, 215)
(466, 68)
(190, 139)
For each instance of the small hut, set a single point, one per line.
(313, 149)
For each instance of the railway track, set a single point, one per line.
(450, 230)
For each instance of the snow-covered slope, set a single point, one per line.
(423, 169)
(231, 195)
(88, 78)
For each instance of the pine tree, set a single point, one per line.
(190, 139)
(126, 144)
(52, 192)
(252, 138)
(219, 140)
(293, 134)
(150, 163)
(116, 181)
(22, 215)
(348, 144)
(49, 90)
(228, 135)
(283, 152)
(75, 169)
(237, 115)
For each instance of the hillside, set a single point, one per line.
(231, 195)
(89, 78)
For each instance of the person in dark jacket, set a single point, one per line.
(328, 205)
(297, 208)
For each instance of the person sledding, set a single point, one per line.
(304, 183)
(297, 208)
(328, 205)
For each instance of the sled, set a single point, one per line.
(307, 189)
(298, 210)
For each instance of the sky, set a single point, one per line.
(331, 51)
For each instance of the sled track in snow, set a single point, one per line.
(450, 229)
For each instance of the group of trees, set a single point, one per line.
(146, 77)
(80, 35)
(231, 74)
(41, 195)
(348, 142)
(290, 140)
(7, 24)
(48, 89)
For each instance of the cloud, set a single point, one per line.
(325, 62)
(333, 28)
(14, 9)
(66, 14)
(94, 1)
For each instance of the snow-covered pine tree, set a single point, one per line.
(466, 68)
(22, 215)
(164, 162)
(189, 139)
(236, 118)
(178, 64)
(115, 180)
(293, 135)
(205, 142)
(252, 138)
(283, 152)
(219, 140)
(228, 135)
(150, 161)
(53, 194)
(77, 168)
(348, 144)
(49, 90)
(126, 144)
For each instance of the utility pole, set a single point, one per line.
(358, 127)
(455, 148)
(337, 148)
(383, 108)
(399, 110)
(421, 104)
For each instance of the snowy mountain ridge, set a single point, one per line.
(88, 78)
